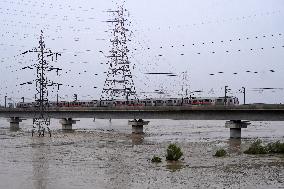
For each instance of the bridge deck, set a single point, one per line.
(259, 112)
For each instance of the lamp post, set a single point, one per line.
(244, 92)
(5, 101)
(225, 99)
(75, 97)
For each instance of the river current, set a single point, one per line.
(104, 154)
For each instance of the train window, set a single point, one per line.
(219, 100)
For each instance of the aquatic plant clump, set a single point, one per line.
(258, 148)
(276, 147)
(174, 152)
(220, 153)
(156, 159)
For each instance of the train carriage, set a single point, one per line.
(192, 101)
(200, 101)
(131, 102)
(106, 103)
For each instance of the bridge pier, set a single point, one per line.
(137, 139)
(67, 123)
(137, 125)
(236, 127)
(15, 123)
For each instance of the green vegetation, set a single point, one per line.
(220, 153)
(174, 152)
(276, 147)
(258, 148)
(156, 159)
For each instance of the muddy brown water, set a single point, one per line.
(105, 154)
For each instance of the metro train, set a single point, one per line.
(192, 101)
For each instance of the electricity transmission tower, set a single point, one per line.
(42, 67)
(119, 82)
(185, 87)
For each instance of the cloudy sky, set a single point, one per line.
(207, 44)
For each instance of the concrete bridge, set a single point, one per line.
(252, 112)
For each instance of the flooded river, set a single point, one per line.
(105, 154)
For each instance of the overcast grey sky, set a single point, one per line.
(201, 38)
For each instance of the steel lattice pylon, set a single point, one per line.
(42, 83)
(119, 83)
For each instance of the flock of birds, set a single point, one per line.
(248, 71)
(57, 18)
(184, 47)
